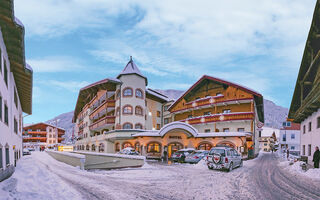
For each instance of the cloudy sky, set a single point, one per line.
(71, 43)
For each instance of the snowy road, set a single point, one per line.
(261, 178)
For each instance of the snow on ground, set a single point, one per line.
(32, 180)
(295, 168)
(39, 176)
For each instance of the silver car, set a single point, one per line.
(224, 158)
(196, 156)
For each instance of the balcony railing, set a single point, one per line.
(102, 108)
(35, 138)
(102, 122)
(210, 101)
(220, 117)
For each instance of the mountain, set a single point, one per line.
(64, 121)
(274, 114)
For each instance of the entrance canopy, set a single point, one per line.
(189, 130)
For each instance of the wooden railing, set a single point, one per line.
(34, 138)
(220, 118)
(103, 121)
(208, 101)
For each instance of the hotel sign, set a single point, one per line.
(175, 137)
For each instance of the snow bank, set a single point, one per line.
(34, 180)
(202, 164)
(112, 155)
(296, 169)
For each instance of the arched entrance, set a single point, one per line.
(204, 146)
(173, 147)
(227, 143)
(126, 144)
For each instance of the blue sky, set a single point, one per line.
(71, 43)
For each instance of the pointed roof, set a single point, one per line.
(131, 68)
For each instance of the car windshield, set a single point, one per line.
(219, 151)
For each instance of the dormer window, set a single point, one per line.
(127, 92)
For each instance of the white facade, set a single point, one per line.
(310, 135)
(10, 114)
(290, 139)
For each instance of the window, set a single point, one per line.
(158, 113)
(304, 150)
(7, 156)
(207, 130)
(1, 164)
(15, 98)
(288, 124)
(93, 147)
(309, 127)
(127, 92)
(259, 133)
(165, 108)
(207, 113)
(87, 147)
(15, 126)
(292, 147)
(117, 147)
(226, 130)
(240, 129)
(139, 93)
(226, 111)
(204, 146)
(158, 126)
(318, 122)
(284, 137)
(309, 150)
(265, 144)
(166, 120)
(138, 110)
(6, 114)
(126, 144)
(137, 146)
(127, 109)
(153, 148)
(0, 108)
(293, 136)
(138, 126)
(304, 129)
(5, 73)
(127, 125)
(101, 147)
(189, 116)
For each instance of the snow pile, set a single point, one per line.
(34, 180)
(296, 169)
(202, 164)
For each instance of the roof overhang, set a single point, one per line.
(13, 35)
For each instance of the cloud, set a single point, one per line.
(72, 86)
(55, 64)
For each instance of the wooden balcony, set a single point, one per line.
(29, 139)
(105, 105)
(103, 123)
(211, 101)
(220, 118)
(37, 132)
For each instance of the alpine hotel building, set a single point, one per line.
(121, 112)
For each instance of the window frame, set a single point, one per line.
(6, 114)
(137, 108)
(124, 92)
(127, 113)
(226, 130)
(142, 94)
(138, 124)
(127, 123)
(310, 126)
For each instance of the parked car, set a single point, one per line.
(181, 154)
(128, 151)
(26, 152)
(31, 149)
(196, 156)
(224, 158)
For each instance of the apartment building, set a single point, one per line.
(290, 137)
(269, 138)
(121, 112)
(42, 135)
(15, 89)
(305, 104)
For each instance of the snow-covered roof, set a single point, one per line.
(47, 124)
(157, 94)
(131, 68)
(18, 21)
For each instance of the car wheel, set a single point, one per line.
(210, 167)
(241, 164)
(230, 167)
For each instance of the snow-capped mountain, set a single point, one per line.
(274, 114)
